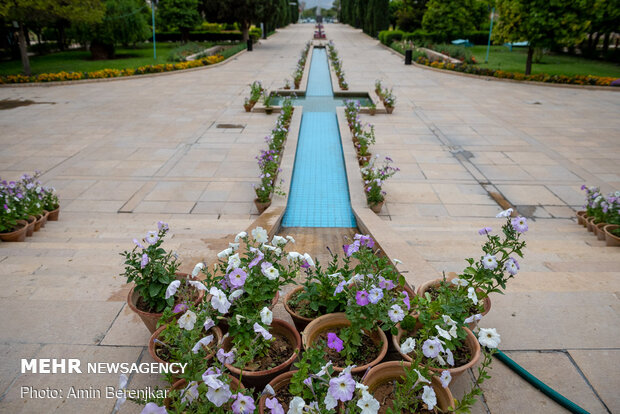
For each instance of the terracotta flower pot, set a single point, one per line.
(278, 383)
(372, 111)
(258, 379)
(260, 206)
(268, 111)
(148, 318)
(598, 230)
(590, 224)
(39, 222)
(300, 321)
(18, 234)
(363, 159)
(611, 239)
(235, 385)
(389, 109)
(388, 372)
(581, 217)
(248, 107)
(215, 331)
(45, 217)
(470, 342)
(376, 208)
(486, 302)
(339, 320)
(54, 214)
(30, 227)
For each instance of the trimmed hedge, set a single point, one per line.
(205, 36)
(387, 37)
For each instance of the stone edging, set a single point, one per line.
(118, 78)
(493, 78)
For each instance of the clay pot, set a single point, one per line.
(611, 239)
(248, 107)
(363, 159)
(590, 224)
(215, 331)
(376, 208)
(339, 320)
(235, 385)
(300, 321)
(598, 230)
(39, 223)
(45, 216)
(394, 370)
(268, 111)
(258, 379)
(18, 234)
(30, 227)
(54, 214)
(372, 111)
(470, 342)
(389, 109)
(581, 217)
(432, 283)
(261, 206)
(150, 319)
(278, 383)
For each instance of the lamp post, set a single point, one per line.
(486, 59)
(153, 3)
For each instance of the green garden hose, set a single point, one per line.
(544, 388)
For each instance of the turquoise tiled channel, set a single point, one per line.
(319, 80)
(319, 195)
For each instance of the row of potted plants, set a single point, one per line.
(345, 312)
(332, 53)
(256, 91)
(318, 32)
(269, 159)
(26, 206)
(111, 73)
(601, 215)
(299, 69)
(386, 95)
(374, 175)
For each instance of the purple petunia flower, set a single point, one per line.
(334, 342)
(145, 261)
(406, 300)
(161, 225)
(375, 295)
(243, 404)
(180, 307)
(519, 224)
(361, 297)
(485, 231)
(237, 277)
(342, 387)
(340, 287)
(386, 283)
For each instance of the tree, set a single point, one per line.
(542, 23)
(22, 11)
(180, 14)
(409, 17)
(244, 12)
(453, 18)
(394, 7)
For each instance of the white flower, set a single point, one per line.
(219, 300)
(308, 259)
(397, 262)
(360, 386)
(368, 404)
(234, 261)
(459, 282)
(271, 273)
(269, 390)
(291, 239)
(208, 324)
(449, 357)
(234, 246)
(278, 251)
(337, 274)
(260, 235)
(452, 331)
(203, 342)
(330, 401)
(296, 406)
(471, 294)
(429, 397)
(265, 246)
(473, 318)
(445, 379)
(407, 346)
(278, 241)
(210, 378)
(197, 269)
(225, 253)
(264, 333)
(489, 262)
(489, 337)
(443, 332)
(172, 288)
(505, 213)
(240, 236)
(219, 396)
(447, 319)
(187, 321)
(235, 294)
(421, 378)
(323, 370)
(196, 284)
(293, 256)
(151, 237)
(266, 316)
(396, 313)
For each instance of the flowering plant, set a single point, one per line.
(256, 90)
(388, 98)
(152, 269)
(378, 87)
(33, 194)
(50, 198)
(365, 140)
(13, 205)
(416, 382)
(373, 299)
(374, 178)
(249, 274)
(604, 209)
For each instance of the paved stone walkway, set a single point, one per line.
(128, 153)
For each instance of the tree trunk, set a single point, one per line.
(23, 49)
(245, 30)
(606, 42)
(528, 62)
(184, 35)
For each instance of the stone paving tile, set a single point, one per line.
(529, 195)
(600, 369)
(10, 360)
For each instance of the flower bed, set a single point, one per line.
(299, 69)
(337, 65)
(110, 73)
(601, 214)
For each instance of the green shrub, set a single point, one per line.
(387, 37)
(178, 54)
(255, 33)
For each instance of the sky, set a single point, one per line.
(325, 4)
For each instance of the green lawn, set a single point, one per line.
(79, 60)
(500, 57)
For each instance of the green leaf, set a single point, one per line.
(154, 289)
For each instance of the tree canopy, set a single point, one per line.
(179, 14)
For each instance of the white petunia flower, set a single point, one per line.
(260, 330)
(443, 333)
(397, 262)
(408, 346)
(219, 301)
(271, 273)
(197, 285)
(296, 406)
(368, 404)
(293, 256)
(260, 235)
(234, 261)
(219, 396)
(473, 318)
(278, 241)
(172, 288)
(445, 378)
(290, 239)
(225, 253)
(489, 262)
(459, 282)
(240, 236)
(471, 294)
(235, 294)
(203, 342)
(489, 337)
(330, 402)
(234, 246)
(197, 269)
(266, 316)
(308, 259)
(447, 319)
(429, 397)
(187, 321)
(505, 213)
